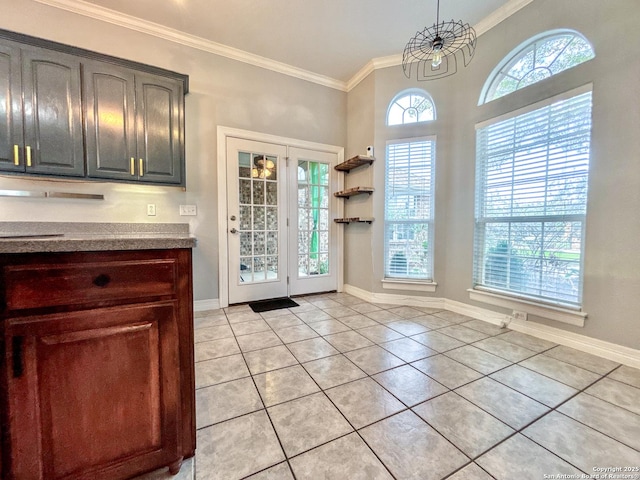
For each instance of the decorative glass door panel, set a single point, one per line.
(257, 234)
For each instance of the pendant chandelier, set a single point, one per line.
(262, 167)
(434, 51)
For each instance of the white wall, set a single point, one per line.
(612, 255)
(222, 92)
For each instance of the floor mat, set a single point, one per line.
(272, 304)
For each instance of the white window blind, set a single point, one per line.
(409, 209)
(531, 199)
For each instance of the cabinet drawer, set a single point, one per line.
(47, 285)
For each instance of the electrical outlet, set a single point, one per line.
(519, 315)
(190, 210)
(151, 209)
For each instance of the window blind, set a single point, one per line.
(409, 209)
(531, 197)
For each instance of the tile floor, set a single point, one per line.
(342, 389)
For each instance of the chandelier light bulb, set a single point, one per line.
(436, 60)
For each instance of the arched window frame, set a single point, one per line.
(412, 92)
(520, 52)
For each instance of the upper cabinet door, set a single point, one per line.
(52, 113)
(11, 158)
(159, 120)
(110, 121)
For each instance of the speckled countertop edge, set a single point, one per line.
(78, 237)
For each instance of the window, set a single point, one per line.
(531, 199)
(409, 209)
(411, 106)
(539, 58)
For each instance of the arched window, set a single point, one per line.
(411, 106)
(538, 58)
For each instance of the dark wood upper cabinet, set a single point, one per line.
(70, 112)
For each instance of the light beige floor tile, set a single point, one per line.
(513, 408)
(225, 401)
(277, 472)
(472, 357)
(284, 321)
(527, 341)
(349, 300)
(307, 422)
(628, 375)
(468, 427)
(324, 303)
(453, 317)
(212, 333)
(447, 371)
(327, 327)
(345, 458)
(358, 321)
(411, 449)
(365, 308)
(238, 308)
(383, 316)
(484, 327)
(315, 315)
(347, 341)
(431, 321)
(518, 457)
(272, 358)
(470, 472)
(543, 389)
(437, 341)
(508, 351)
(566, 373)
(374, 359)
(581, 359)
(408, 350)
(218, 312)
(296, 333)
(218, 370)
(614, 421)
(216, 348)
(237, 448)
(429, 310)
(187, 472)
(463, 334)
(252, 326)
(243, 316)
(278, 312)
(409, 385)
(407, 327)
(256, 341)
(618, 393)
(364, 402)
(580, 445)
(210, 321)
(406, 312)
(341, 311)
(379, 333)
(312, 349)
(278, 386)
(332, 371)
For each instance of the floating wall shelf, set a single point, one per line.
(354, 220)
(350, 192)
(354, 162)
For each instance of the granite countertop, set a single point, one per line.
(28, 237)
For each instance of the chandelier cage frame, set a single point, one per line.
(450, 39)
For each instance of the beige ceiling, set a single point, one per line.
(334, 38)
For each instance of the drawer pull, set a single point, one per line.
(18, 369)
(102, 280)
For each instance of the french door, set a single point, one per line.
(281, 240)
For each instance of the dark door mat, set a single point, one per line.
(272, 304)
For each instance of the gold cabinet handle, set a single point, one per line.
(132, 166)
(141, 168)
(16, 155)
(28, 156)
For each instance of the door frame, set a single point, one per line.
(223, 245)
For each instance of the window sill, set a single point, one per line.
(559, 314)
(414, 285)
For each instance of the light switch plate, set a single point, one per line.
(189, 210)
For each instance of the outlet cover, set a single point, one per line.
(520, 315)
(189, 210)
(151, 209)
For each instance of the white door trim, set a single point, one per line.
(223, 247)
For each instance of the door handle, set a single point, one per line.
(233, 230)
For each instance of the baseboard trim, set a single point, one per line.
(610, 351)
(202, 305)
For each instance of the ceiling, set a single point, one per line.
(331, 38)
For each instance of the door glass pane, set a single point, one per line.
(258, 223)
(313, 216)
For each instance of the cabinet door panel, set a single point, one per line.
(104, 391)
(52, 112)
(159, 119)
(10, 109)
(110, 121)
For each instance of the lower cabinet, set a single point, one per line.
(100, 391)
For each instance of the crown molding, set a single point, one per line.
(96, 12)
(483, 26)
